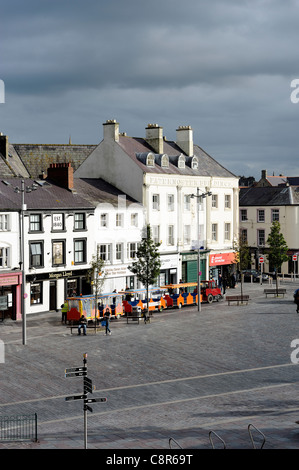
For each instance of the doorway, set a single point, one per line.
(52, 302)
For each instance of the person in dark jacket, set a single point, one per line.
(107, 319)
(82, 324)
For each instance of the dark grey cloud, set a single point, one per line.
(224, 67)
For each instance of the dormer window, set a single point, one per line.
(194, 163)
(150, 160)
(181, 161)
(164, 161)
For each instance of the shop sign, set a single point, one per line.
(219, 259)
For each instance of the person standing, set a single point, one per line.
(107, 319)
(64, 309)
(296, 299)
(224, 284)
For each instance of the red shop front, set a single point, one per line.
(220, 259)
(11, 286)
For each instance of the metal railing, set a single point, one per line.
(18, 428)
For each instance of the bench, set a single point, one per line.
(237, 298)
(275, 291)
(146, 319)
(88, 327)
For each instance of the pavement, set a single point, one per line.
(197, 378)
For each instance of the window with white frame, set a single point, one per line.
(187, 234)
(261, 237)
(170, 235)
(79, 221)
(134, 219)
(35, 222)
(132, 248)
(187, 202)
(227, 201)
(156, 233)
(243, 235)
(4, 257)
(104, 220)
(214, 201)
(119, 251)
(244, 215)
(119, 219)
(214, 232)
(80, 251)
(4, 222)
(227, 231)
(170, 202)
(261, 215)
(275, 215)
(156, 202)
(105, 252)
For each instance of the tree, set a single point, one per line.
(242, 257)
(277, 252)
(96, 277)
(147, 266)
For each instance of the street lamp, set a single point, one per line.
(22, 190)
(199, 197)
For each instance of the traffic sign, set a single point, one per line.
(93, 400)
(76, 369)
(294, 257)
(75, 397)
(86, 407)
(261, 259)
(76, 374)
(87, 385)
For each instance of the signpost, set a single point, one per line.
(261, 260)
(87, 388)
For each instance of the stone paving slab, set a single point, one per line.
(183, 375)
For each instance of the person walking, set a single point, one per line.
(64, 309)
(296, 299)
(107, 319)
(82, 324)
(224, 284)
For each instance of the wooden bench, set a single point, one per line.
(237, 298)
(275, 291)
(88, 327)
(138, 318)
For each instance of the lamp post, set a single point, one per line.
(22, 190)
(199, 197)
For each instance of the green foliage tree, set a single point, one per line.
(242, 257)
(147, 266)
(96, 277)
(277, 251)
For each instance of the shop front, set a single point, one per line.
(10, 294)
(48, 291)
(222, 263)
(189, 266)
(168, 269)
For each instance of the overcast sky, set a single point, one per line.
(224, 67)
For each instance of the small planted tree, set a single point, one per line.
(147, 266)
(242, 257)
(277, 251)
(96, 278)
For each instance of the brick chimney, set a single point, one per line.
(184, 136)
(62, 174)
(4, 145)
(154, 137)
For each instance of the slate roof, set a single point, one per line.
(269, 196)
(48, 196)
(98, 191)
(207, 166)
(37, 158)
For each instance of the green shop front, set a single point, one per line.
(189, 265)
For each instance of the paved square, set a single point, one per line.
(181, 376)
